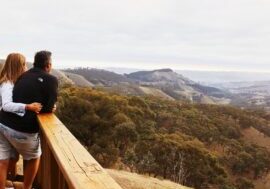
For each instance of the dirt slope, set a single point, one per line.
(155, 92)
(129, 180)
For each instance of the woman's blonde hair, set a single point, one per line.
(13, 68)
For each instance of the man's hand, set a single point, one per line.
(54, 108)
(35, 107)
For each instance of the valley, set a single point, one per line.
(163, 124)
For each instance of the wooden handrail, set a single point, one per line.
(65, 163)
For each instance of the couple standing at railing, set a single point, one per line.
(24, 94)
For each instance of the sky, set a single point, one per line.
(215, 35)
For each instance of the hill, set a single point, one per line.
(197, 145)
(254, 94)
(178, 86)
(162, 83)
(208, 77)
(62, 78)
(155, 92)
(100, 77)
(78, 80)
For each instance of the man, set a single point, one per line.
(35, 85)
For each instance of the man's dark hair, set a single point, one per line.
(42, 59)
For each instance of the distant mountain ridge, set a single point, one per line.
(168, 80)
(78, 80)
(160, 75)
(163, 83)
(99, 77)
(255, 94)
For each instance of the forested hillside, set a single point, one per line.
(197, 145)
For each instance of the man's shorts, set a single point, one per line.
(13, 142)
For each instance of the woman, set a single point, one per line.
(14, 66)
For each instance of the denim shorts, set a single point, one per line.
(13, 142)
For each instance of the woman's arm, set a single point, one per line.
(7, 102)
(18, 108)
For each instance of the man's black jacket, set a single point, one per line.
(34, 85)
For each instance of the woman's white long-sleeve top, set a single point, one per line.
(6, 102)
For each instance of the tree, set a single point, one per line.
(125, 135)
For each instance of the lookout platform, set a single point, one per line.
(65, 163)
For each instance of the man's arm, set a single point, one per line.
(51, 95)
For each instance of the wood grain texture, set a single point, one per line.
(65, 163)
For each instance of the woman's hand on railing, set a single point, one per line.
(35, 107)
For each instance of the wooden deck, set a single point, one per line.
(65, 163)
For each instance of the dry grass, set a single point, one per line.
(254, 136)
(155, 92)
(129, 180)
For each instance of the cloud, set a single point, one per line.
(191, 34)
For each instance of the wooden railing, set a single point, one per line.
(65, 163)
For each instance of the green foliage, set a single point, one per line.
(169, 139)
(243, 183)
(125, 135)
